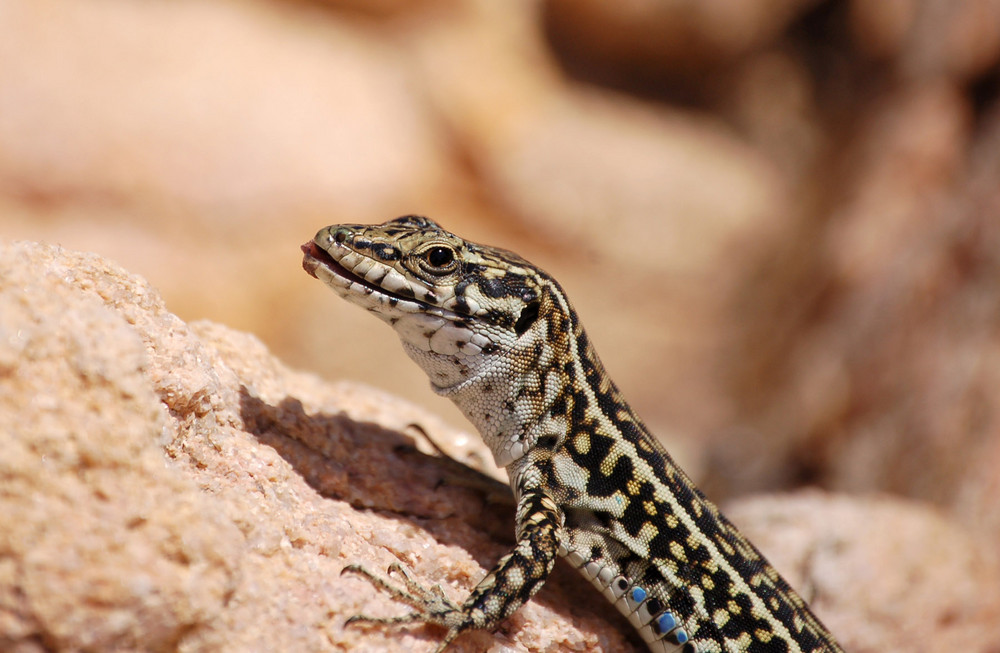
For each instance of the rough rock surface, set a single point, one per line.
(166, 486)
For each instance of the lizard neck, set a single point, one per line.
(524, 395)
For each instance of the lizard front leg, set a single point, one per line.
(512, 581)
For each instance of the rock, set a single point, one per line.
(924, 38)
(103, 544)
(239, 110)
(172, 486)
(592, 170)
(658, 35)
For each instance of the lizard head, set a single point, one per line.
(456, 305)
(491, 331)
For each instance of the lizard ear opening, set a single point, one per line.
(528, 316)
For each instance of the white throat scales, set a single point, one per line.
(489, 388)
(480, 386)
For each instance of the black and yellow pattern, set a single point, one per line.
(498, 336)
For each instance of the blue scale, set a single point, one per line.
(666, 622)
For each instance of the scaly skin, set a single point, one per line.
(498, 337)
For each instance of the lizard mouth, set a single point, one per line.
(315, 256)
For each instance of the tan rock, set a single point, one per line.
(926, 38)
(235, 108)
(593, 170)
(666, 35)
(104, 544)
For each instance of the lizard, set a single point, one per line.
(498, 336)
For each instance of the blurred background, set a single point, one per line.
(779, 219)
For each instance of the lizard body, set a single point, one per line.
(498, 336)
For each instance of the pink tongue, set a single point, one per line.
(311, 251)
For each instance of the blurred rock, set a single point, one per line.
(666, 35)
(883, 360)
(381, 9)
(639, 185)
(771, 98)
(596, 170)
(928, 38)
(224, 107)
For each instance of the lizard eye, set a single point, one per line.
(439, 257)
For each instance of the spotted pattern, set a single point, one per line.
(498, 337)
